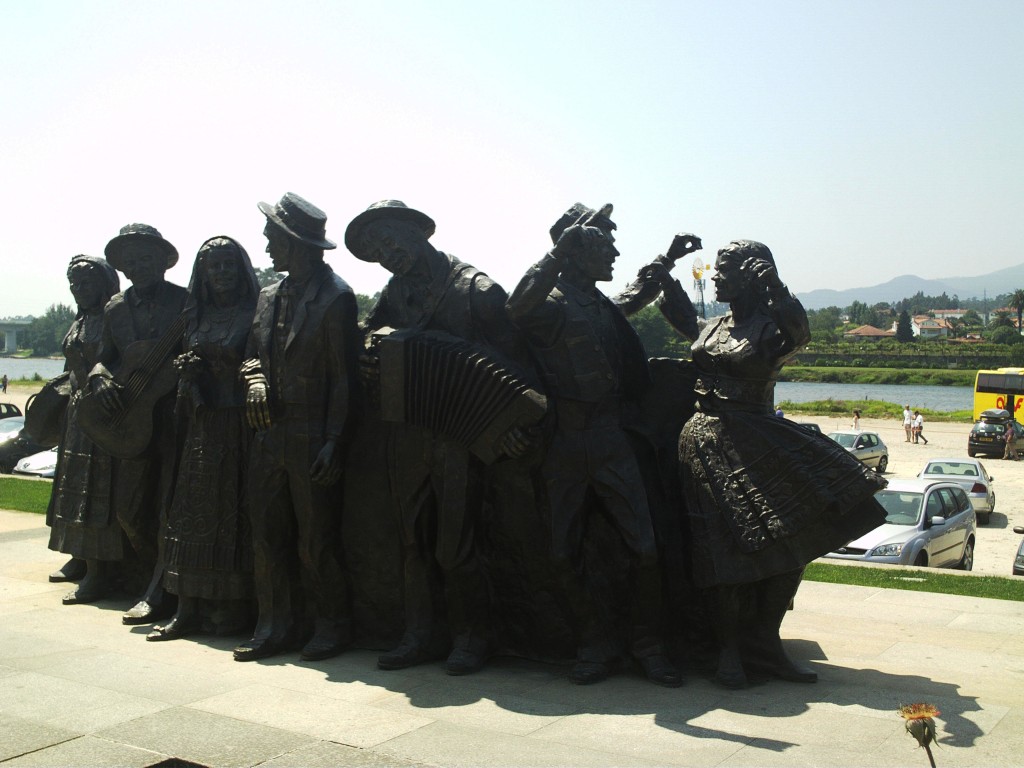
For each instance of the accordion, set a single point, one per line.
(446, 384)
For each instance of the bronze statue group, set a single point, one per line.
(465, 473)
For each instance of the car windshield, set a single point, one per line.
(955, 468)
(901, 507)
(989, 429)
(843, 439)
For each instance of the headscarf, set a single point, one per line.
(199, 294)
(111, 282)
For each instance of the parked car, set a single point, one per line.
(988, 435)
(972, 476)
(9, 409)
(1018, 561)
(927, 523)
(866, 446)
(43, 464)
(10, 427)
(16, 445)
(810, 427)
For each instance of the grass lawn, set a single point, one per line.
(921, 580)
(24, 495)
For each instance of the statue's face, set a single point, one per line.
(396, 252)
(728, 279)
(86, 285)
(596, 258)
(144, 264)
(279, 247)
(220, 271)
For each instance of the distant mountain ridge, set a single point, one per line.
(905, 286)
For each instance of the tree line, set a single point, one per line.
(45, 333)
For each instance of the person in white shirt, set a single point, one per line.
(907, 422)
(919, 428)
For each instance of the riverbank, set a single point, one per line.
(934, 377)
(18, 392)
(869, 409)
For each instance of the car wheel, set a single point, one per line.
(971, 452)
(921, 561)
(882, 464)
(967, 561)
(6, 468)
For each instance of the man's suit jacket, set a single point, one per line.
(317, 381)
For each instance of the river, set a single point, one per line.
(27, 367)
(916, 396)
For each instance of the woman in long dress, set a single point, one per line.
(83, 523)
(207, 538)
(765, 496)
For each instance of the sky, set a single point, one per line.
(860, 140)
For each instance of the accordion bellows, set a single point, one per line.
(446, 384)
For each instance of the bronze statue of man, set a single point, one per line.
(595, 366)
(436, 483)
(138, 323)
(300, 381)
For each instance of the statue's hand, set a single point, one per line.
(657, 272)
(257, 406)
(683, 244)
(188, 365)
(326, 469)
(766, 274)
(568, 243)
(517, 441)
(108, 392)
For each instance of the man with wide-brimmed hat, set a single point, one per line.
(145, 312)
(300, 379)
(595, 366)
(436, 483)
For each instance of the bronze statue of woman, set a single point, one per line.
(83, 523)
(764, 495)
(207, 537)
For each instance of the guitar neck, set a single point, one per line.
(139, 379)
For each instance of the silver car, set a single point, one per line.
(43, 464)
(927, 523)
(866, 446)
(971, 476)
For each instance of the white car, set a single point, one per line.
(927, 523)
(972, 476)
(865, 446)
(43, 464)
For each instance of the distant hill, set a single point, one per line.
(905, 286)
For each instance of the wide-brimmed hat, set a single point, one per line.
(582, 214)
(300, 219)
(384, 209)
(134, 233)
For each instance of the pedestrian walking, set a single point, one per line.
(919, 428)
(856, 420)
(908, 425)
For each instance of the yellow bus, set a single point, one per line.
(999, 389)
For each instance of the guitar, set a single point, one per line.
(145, 375)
